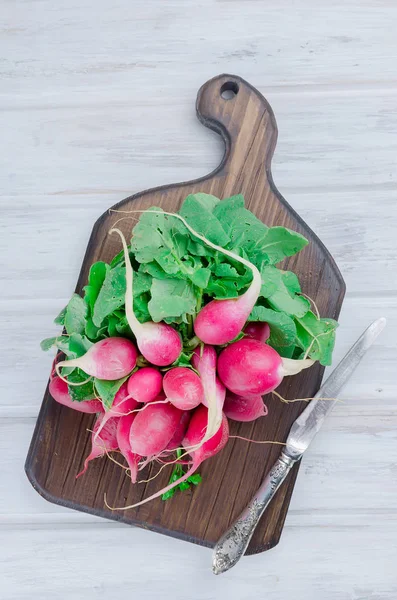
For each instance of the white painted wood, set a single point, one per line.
(97, 102)
(326, 141)
(336, 560)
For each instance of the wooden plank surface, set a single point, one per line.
(121, 77)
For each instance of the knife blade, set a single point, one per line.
(232, 545)
(307, 425)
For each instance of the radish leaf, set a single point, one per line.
(75, 315)
(197, 210)
(280, 290)
(275, 245)
(96, 278)
(282, 326)
(318, 335)
(107, 390)
(111, 295)
(79, 393)
(60, 319)
(171, 298)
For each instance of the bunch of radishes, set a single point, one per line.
(161, 408)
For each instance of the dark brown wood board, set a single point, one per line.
(60, 441)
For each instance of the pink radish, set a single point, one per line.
(204, 361)
(110, 359)
(106, 442)
(183, 388)
(123, 441)
(220, 394)
(194, 439)
(195, 434)
(153, 428)
(145, 384)
(248, 367)
(242, 409)
(220, 321)
(258, 331)
(159, 343)
(123, 404)
(59, 391)
(180, 431)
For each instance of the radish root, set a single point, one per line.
(312, 303)
(302, 399)
(239, 437)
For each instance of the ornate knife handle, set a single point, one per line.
(234, 542)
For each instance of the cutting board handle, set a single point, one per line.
(233, 108)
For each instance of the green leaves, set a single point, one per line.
(96, 278)
(276, 244)
(282, 326)
(281, 289)
(61, 342)
(177, 473)
(171, 298)
(107, 390)
(317, 336)
(75, 315)
(244, 229)
(159, 237)
(110, 296)
(197, 209)
(175, 274)
(60, 319)
(79, 393)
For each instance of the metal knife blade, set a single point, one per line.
(234, 542)
(310, 421)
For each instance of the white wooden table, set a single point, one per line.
(97, 102)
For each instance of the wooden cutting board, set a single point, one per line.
(241, 115)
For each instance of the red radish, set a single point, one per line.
(220, 394)
(123, 404)
(145, 384)
(110, 359)
(220, 321)
(242, 409)
(194, 439)
(153, 428)
(258, 331)
(159, 343)
(59, 391)
(248, 367)
(183, 388)
(106, 442)
(123, 441)
(195, 434)
(180, 431)
(204, 361)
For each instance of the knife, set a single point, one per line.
(234, 542)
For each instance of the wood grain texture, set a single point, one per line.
(247, 125)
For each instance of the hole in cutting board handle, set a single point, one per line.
(229, 90)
